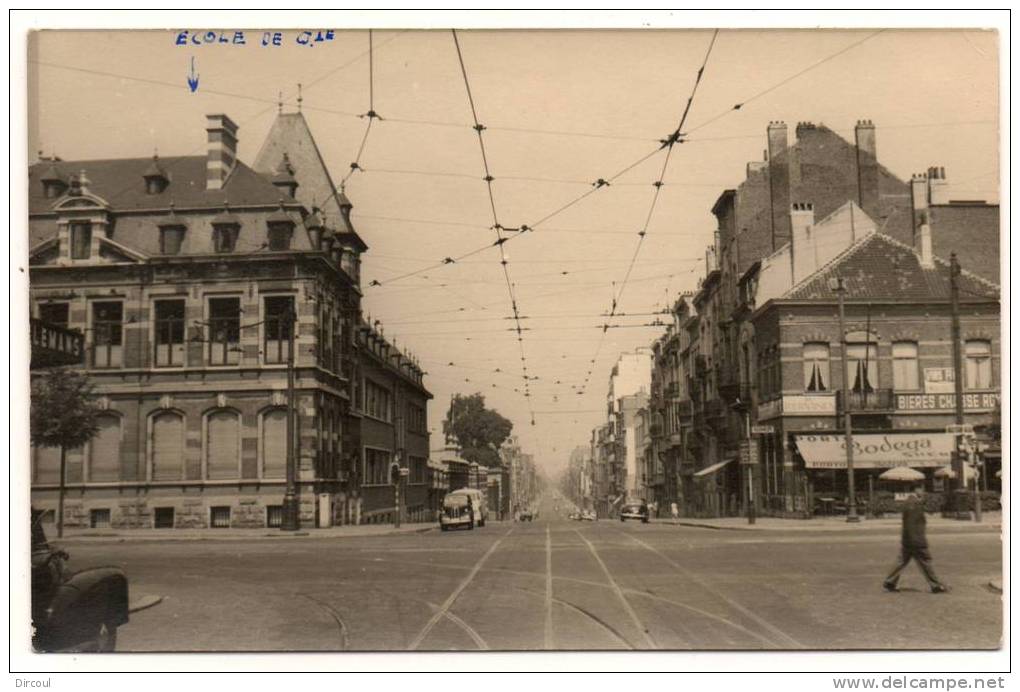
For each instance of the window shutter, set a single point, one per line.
(168, 447)
(274, 444)
(223, 445)
(104, 457)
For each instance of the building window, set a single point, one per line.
(224, 331)
(274, 443)
(222, 445)
(377, 467)
(104, 450)
(416, 419)
(163, 517)
(416, 474)
(81, 240)
(279, 236)
(378, 401)
(99, 518)
(45, 465)
(862, 362)
(274, 516)
(107, 334)
(219, 517)
(167, 447)
(816, 367)
(169, 341)
(979, 364)
(171, 240)
(905, 366)
(55, 313)
(279, 319)
(225, 237)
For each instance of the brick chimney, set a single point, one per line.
(938, 188)
(222, 150)
(779, 182)
(803, 250)
(867, 168)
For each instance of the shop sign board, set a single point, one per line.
(973, 401)
(762, 429)
(809, 404)
(939, 381)
(749, 453)
(877, 451)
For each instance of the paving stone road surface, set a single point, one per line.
(557, 584)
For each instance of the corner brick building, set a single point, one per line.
(183, 274)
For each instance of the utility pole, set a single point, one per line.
(839, 287)
(290, 520)
(959, 464)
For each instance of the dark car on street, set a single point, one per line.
(635, 510)
(73, 611)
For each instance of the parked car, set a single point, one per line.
(588, 515)
(457, 512)
(525, 515)
(73, 611)
(635, 510)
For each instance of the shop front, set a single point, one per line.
(824, 459)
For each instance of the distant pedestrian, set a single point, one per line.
(674, 511)
(914, 545)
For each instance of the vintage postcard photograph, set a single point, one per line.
(511, 340)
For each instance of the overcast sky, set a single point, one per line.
(562, 109)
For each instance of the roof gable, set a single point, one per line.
(878, 267)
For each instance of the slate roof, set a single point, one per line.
(972, 232)
(879, 268)
(121, 182)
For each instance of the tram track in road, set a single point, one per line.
(776, 636)
(452, 598)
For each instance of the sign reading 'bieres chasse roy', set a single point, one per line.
(876, 451)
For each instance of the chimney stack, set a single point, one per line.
(867, 168)
(222, 150)
(803, 250)
(779, 182)
(938, 188)
(922, 243)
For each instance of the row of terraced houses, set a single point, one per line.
(745, 390)
(184, 277)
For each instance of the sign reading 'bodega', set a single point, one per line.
(876, 451)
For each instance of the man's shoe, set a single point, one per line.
(889, 586)
(941, 588)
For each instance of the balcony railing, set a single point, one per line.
(875, 400)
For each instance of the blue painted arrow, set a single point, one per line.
(193, 78)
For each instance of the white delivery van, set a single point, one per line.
(474, 514)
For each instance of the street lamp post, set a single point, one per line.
(836, 284)
(290, 520)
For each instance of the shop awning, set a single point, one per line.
(877, 451)
(713, 468)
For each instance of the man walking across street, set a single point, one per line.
(914, 545)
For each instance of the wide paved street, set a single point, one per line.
(556, 584)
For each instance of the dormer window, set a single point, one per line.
(53, 183)
(226, 228)
(81, 240)
(156, 179)
(281, 230)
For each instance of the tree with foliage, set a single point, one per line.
(64, 415)
(478, 431)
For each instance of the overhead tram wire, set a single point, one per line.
(676, 137)
(371, 115)
(496, 226)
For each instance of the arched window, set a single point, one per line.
(46, 465)
(104, 450)
(223, 445)
(167, 447)
(274, 443)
